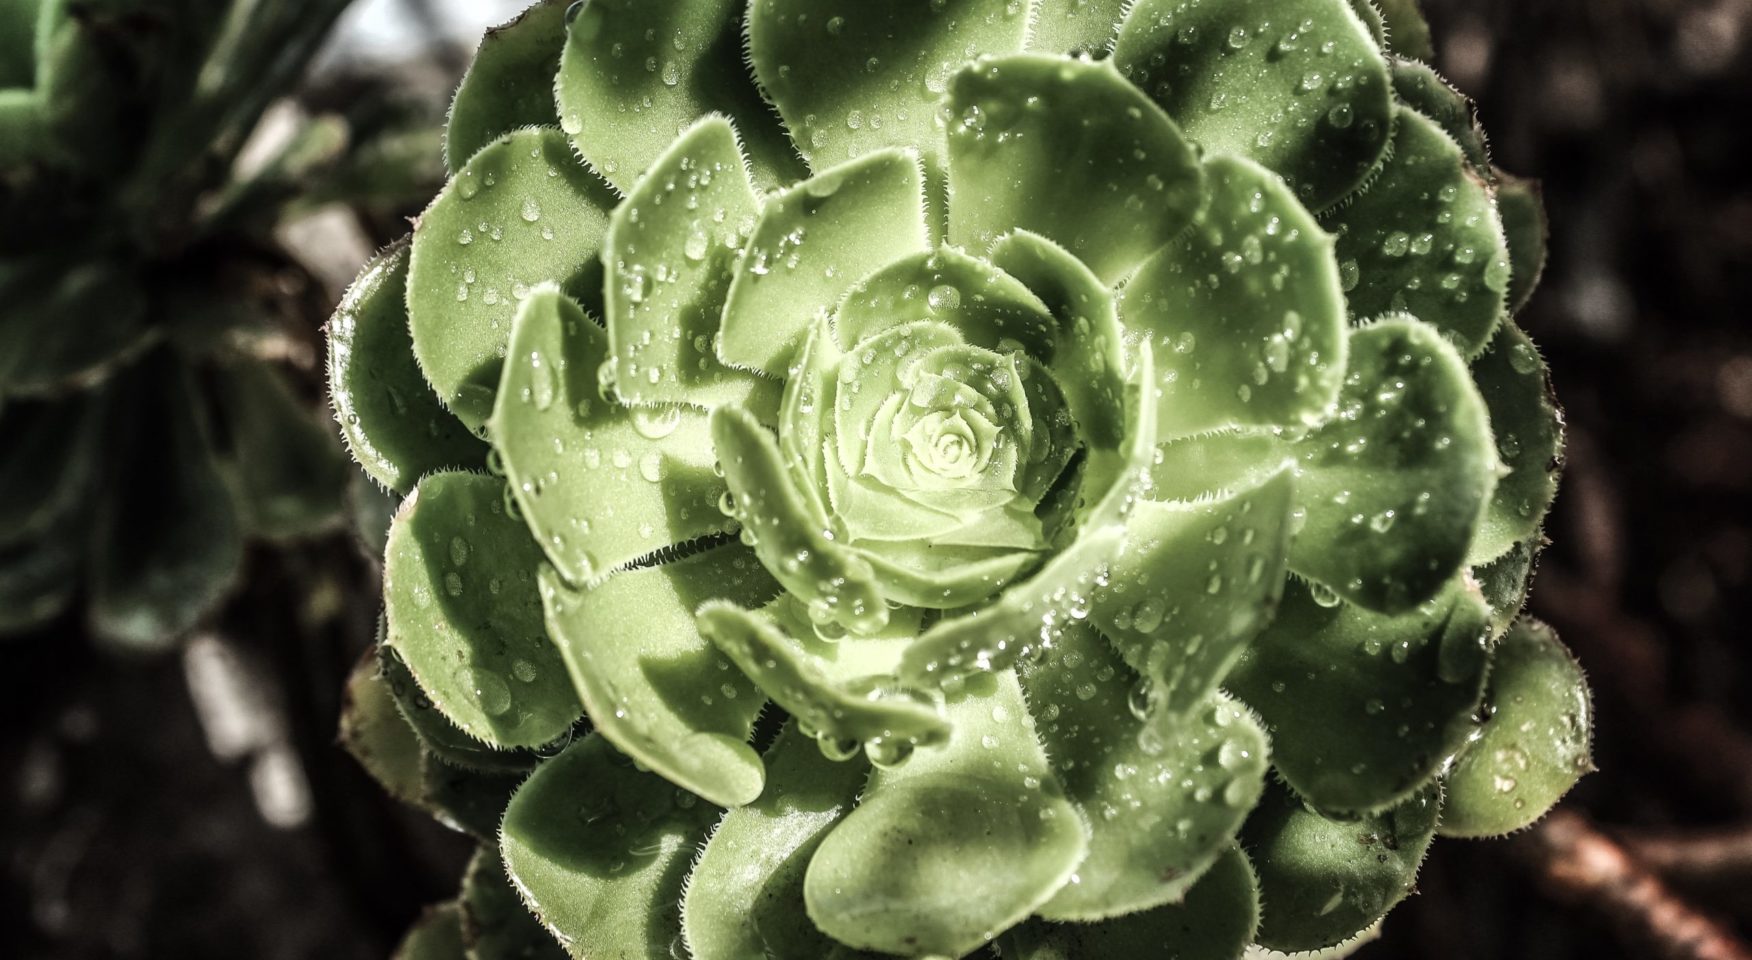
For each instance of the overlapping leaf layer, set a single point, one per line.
(951, 456)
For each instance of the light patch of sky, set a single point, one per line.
(389, 31)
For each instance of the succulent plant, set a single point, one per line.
(150, 323)
(942, 456)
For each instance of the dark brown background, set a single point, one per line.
(123, 837)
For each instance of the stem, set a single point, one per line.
(1576, 863)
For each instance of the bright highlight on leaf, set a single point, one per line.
(1082, 515)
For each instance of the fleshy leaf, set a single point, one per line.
(1245, 310)
(899, 874)
(852, 77)
(1214, 922)
(743, 893)
(1066, 148)
(1090, 358)
(1027, 614)
(510, 82)
(984, 305)
(1323, 881)
(1426, 239)
(1421, 88)
(521, 212)
(1163, 793)
(664, 310)
(655, 688)
(1196, 582)
(68, 324)
(40, 577)
(1297, 85)
(495, 923)
(1521, 203)
(391, 419)
(290, 477)
(1534, 745)
(440, 737)
(170, 535)
(1363, 708)
(600, 486)
(812, 242)
(791, 538)
(1528, 428)
(51, 451)
(1076, 26)
(1407, 30)
(1395, 485)
(799, 682)
(637, 72)
(464, 614)
(1506, 580)
(601, 851)
(437, 935)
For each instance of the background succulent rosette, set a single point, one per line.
(1062, 418)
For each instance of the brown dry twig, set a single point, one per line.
(1579, 864)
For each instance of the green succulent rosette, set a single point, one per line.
(944, 455)
(159, 407)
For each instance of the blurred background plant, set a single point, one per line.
(126, 838)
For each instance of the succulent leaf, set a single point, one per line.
(1396, 482)
(51, 448)
(1323, 881)
(743, 892)
(1163, 793)
(289, 476)
(465, 614)
(1426, 239)
(671, 701)
(637, 71)
(1296, 85)
(600, 851)
(1365, 708)
(1075, 26)
(632, 483)
(495, 923)
(1215, 921)
(520, 212)
(437, 935)
(510, 83)
(1407, 30)
(1069, 150)
(898, 875)
(1522, 206)
(391, 419)
(1528, 429)
(1255, 284)
(1535, 741)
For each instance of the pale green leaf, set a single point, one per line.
(1395, 485)
(1420, 87)
(1214, 922)
(955, 844)
(1164, 793)
(652, 685)
(638, 72)
(1521, 203)
(1528, 428)
(1076, 26)
(745, 890)
(1426, 239)
(601, 852)
(1363, 708)
(1297, 85)
(1245, 310)
(600, 485)
(1196, 582)
(510, 82)
(814, 241)
(465, 616)
(522, 212)
(671, 254)
(1534, 745)
(1066, 148)
(1323, 881)
(389, 416)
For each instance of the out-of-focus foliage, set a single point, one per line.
(155, 409)
(951, 474)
